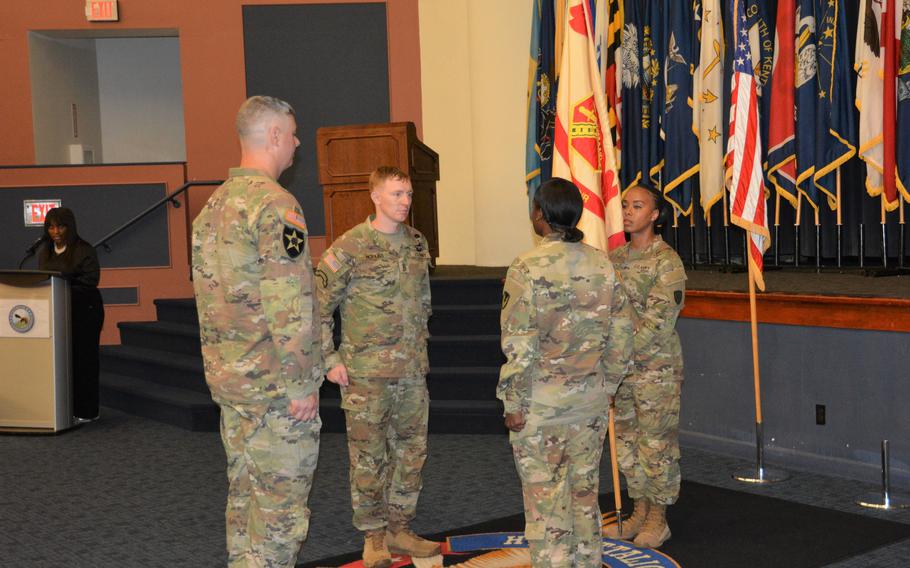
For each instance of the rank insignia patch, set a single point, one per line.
(294, 241)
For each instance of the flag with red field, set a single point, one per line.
(584, 147)
(747, 193)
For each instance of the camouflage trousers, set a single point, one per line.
(559, 467)
(647, 439)
(271, 457)
(386, 421)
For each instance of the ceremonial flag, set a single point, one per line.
(653, 55)
(708, 112)
(634, 112)
(890, 34)
(781, 122)
(747, 193)
(760, 21)
(869, 66)
(681, 164)
(903, 105)
(541, 97)
(806, 97)
(584, 150)
(610, 63)
(835, 131)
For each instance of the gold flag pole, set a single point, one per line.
(799, 217)
(760, 474)
(777, 228)
(617, 496)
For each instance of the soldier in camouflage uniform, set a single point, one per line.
(378, 274)
(647, 403)
(567, 338)
(260, 334)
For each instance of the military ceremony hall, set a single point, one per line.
(481, 283)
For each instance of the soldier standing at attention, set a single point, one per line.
(647, 403)
(567, 338)
(259, 328)
(378, 274)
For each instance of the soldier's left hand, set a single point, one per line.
(515, 421)
(305, 408)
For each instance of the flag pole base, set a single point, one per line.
(884, 499)
(761, 475)
(883, 502)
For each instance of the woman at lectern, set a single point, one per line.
(65, 252)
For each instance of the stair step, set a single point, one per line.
(465, 291)
(480, 319)
(162, 335)
(179, 310)
(455, 350)
(181, 407)
(162, 367)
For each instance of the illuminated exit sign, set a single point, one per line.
(101, 11)
(36, 209)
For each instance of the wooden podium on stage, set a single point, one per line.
(348, 154)
(35, 352)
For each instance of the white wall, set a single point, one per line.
(141, 99)
(474, 66)
(63, 72)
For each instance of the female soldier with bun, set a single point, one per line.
(566, 335)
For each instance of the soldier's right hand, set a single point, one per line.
(338, 375)
(515, 421)
(305, 408)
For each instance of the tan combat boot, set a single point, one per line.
(655, 531)
(375, 552)
(401, 540)
(630, 526)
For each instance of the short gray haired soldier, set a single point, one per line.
(567, 338)
(259, 327)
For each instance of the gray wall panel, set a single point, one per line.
(862, 378)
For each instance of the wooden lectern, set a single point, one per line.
(347, 156)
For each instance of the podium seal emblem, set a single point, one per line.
(21, 318)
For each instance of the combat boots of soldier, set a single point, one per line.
(401, 540)
(655, 531)
(375, 551)
(632, 525)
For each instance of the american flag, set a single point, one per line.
(747, 190)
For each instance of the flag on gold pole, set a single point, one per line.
(708, 113)
(584, 148)
(747, 190)
(869, 63)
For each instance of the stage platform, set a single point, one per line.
(803, 296)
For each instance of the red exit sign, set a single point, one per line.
(101, 11)
(36, 209)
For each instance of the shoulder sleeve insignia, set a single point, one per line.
(332, 261)
(295, 219)
(678, 296)
(323, 277)
(505, 299)
(294, 241)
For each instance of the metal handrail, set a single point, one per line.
(171, 197)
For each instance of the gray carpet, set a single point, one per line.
(127, 491)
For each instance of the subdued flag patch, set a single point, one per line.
(332, 261)
(296, 219)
